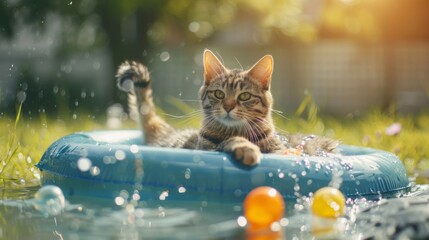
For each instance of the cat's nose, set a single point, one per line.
(228, 107)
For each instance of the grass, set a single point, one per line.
(23, 140)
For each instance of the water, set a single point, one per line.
(23, 216)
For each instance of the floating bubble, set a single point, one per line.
(50, 200)
(84, 164)
(164, 56)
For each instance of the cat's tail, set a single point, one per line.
(132, 73)
(134, 78)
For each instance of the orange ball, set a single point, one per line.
(328, 202)
(263, 206)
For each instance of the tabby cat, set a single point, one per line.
(236, 106)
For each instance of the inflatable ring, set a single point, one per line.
(103, 164)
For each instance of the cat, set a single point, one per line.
(236, 106)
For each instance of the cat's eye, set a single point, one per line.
(244, 96)
(219, 94)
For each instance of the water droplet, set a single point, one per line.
(181, 189)
(96, 65)
(284, 222)
(194, 27)
(187, 173)
(109, 160)
(84, 164)
(164, 56)
(127, 85)
(134, 148)
(136, 196)
(296, 188)
(21, 96)
(95, 171)
(119, 201)
(238, 192)
(163, 195)
(241, 221)
(124, 194)
(120, 155)
(275, 227)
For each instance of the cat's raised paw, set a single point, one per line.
(247, 154)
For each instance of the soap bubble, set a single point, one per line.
(50, 200)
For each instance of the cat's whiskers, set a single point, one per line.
(187, 115)
(254, 131)
(186, 118)
(257, 129)
(279, 113)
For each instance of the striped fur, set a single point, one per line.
(236, 107)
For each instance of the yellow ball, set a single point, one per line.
(263, 206)
(328, 202)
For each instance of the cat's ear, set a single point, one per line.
(261, 72)
(212, 66)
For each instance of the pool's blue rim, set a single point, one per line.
(370, 195)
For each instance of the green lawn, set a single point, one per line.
(23, 140)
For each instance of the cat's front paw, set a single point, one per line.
(248, 154)
(132, 74)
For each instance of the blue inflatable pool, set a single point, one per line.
(102, 164)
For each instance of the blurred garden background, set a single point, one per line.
(356, 70)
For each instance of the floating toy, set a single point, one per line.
(328, 202)
(263, 206)
(104, 164)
